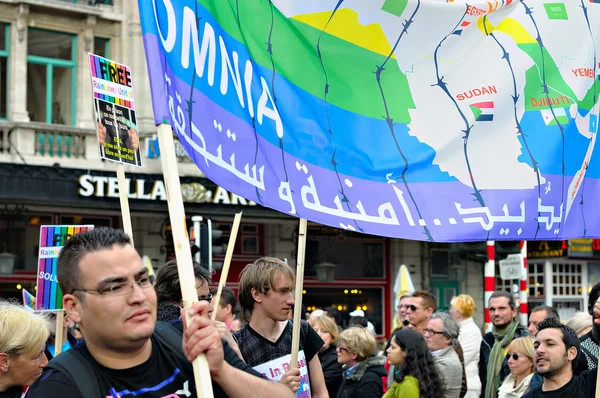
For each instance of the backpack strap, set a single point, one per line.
(170, 337)
(76, 367)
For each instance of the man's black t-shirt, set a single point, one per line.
(583, 385)
(163, 375)
(12, 392)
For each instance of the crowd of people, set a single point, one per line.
(125, 334)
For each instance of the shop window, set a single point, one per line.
(356, 255)
(346, 300)
(4, 50)
(566, 279)
(535, 283)
(51, 77)
(567, 308)
(102, 47)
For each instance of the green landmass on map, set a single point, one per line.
(350, 68)
(557, 87)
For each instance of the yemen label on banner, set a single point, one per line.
(421, 119)
(276, 368)
(116, 125)
(52, 239)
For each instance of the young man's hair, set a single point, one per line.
(593, 297)
(427, 299)
(228, 298)
(569, 336)
(78, 246)
(168, 288)
(551, 312)
(506, 295)
(262, 276)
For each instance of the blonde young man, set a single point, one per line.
(266, 297)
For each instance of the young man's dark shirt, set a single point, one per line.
(583, 385)
(163, 375)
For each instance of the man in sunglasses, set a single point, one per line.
(441, 334)
(419, 307)
(108, 292)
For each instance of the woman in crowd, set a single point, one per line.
(581, 323)
(416, 375)
(521, 361)
(23, 336)
(332, 369)
(462, 308)
(362, 370)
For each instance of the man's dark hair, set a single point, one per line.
(167, 281)
(228, 297)
(358, 321)
(334, 314)
(78, 246)
(427, 298)
(505, 294)
(551, 312)
(569, 335)
(594, 294)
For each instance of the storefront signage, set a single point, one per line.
(584, 248)
(103, 186)
(546, 249)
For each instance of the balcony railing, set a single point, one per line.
(5, 144)
(89, 2)
(60, 144)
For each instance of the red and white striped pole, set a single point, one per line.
(489, 282)
(524, 307)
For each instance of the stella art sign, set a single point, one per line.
(103, 186)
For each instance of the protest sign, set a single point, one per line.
(115, 111)
(52, 240)
(276, 368)
(426, 120)
(28, 300)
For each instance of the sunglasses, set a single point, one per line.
(340, 349)
(515, 356)
(412, 307)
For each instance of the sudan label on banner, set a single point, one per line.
(52, 240)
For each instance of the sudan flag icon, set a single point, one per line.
(483, 111)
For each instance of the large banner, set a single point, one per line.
(422, 119)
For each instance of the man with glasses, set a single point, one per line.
(108, 292)
(419, 307)
(441, 334)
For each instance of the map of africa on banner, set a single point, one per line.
(421, 119)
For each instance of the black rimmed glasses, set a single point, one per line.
(121, 288)
(431, 332)
(205, 298)
(340, 349)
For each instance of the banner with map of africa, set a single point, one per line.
(434, 120)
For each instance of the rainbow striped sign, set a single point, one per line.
(52, 240)
(28, 300)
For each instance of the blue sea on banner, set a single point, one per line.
(282, 156)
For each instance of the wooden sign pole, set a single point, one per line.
(298, 295)
(181, 243)
(227, 262)
(58, 336)
(125, 214)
